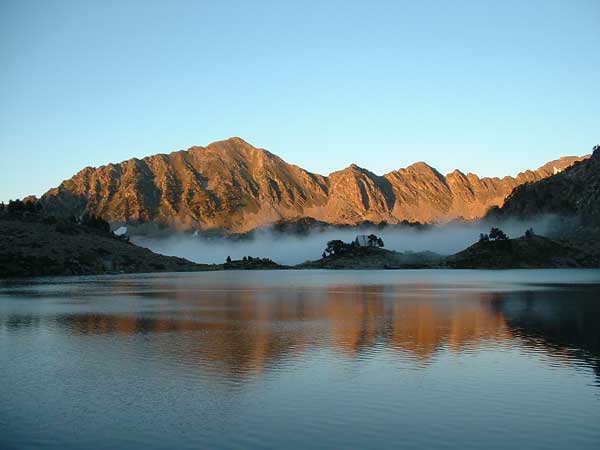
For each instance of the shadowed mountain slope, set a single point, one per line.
(573, 192)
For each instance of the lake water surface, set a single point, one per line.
(302, 359)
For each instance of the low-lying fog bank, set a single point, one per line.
(294, 249)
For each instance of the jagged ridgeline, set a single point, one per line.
(573, 192)
(232, 186)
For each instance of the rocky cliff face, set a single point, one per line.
(233, 186)
(572, 192)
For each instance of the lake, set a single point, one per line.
(302, 359)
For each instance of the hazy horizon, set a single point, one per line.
(290, 249)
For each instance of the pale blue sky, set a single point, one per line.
(492, 87)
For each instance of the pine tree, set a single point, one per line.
(496, 234)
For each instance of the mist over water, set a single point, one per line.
(294, 249)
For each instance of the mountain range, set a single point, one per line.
(232, 186)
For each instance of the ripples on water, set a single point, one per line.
(299, 359)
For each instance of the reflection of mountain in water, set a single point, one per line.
(240, 332)
(414, 320)
(564, 322)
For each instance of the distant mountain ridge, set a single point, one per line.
(232, 186)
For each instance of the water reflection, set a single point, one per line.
(243, 330)
(440, 359)
(563, 322)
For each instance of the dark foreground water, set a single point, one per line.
(302, 359)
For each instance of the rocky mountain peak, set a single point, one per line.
(234, 186)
